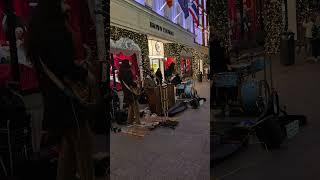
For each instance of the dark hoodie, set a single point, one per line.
(125, 75)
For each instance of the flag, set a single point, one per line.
(169, 3)
(193, 9)
(204, 27)
(184, 7)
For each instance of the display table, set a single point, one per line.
(157, 99)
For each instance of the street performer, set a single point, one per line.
(65, 88)
(131, 92)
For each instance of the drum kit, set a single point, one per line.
(253, 94)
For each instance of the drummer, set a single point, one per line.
(219, 56)
(221, 63)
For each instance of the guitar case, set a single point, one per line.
(177, 108)
(270, 132)
(195, 103)
(121, 117)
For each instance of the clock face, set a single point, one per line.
(158, 47)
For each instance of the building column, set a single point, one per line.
(100, 28)
(292, 17)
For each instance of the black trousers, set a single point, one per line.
(316, 48)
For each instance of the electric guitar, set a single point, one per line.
(82, 91)
(136, 91)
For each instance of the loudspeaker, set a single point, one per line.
(269, 132)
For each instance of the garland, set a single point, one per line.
(140, 39)
(273, 25)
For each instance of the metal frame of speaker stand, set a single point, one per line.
(164, 100)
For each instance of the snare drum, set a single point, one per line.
(249, 96)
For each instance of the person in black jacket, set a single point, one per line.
(159, 77)
(316, 39)
(126, 78)
(169, 72)
(50, 40)
(220, 63)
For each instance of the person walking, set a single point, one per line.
(130, 92)
(308, 25)
(51, 49)
(316, 39)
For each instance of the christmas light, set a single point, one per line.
(140, 39)
(274, 27)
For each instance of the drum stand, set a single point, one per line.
(164, 100)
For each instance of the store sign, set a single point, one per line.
(162, 29)
(156, 49)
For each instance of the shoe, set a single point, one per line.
(130, 123)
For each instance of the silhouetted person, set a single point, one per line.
(50, 40)
(130, 98)
(159, 76)
(169, 72)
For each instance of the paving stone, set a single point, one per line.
(165, 153)
(298, 89)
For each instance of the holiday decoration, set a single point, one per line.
(218, 20)
(174, 50)
(141, 39)
(273, 25)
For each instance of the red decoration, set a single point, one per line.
(169, 3)
(82, 26)
(134, 67)
(168, 62)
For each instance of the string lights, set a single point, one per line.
(274, 26)
(140, 39)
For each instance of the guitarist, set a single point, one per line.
(131, 92)
(50, 47)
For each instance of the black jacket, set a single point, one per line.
(57, 52)
(218, 57)
(126, 76)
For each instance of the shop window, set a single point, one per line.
(168, 12)
(185, 67)
(189, 24)
(179, 12)
(149, 4)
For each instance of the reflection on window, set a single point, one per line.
(167, 12)
(179, 19)
(149, 3)
(189, 24)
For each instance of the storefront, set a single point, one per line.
(151, 31)
(186, 63)
(156, 56)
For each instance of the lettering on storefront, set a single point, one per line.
(162, 29)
